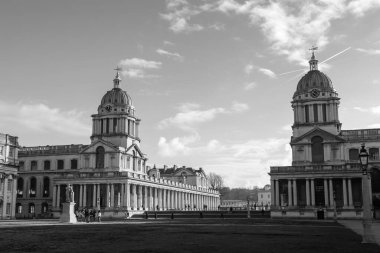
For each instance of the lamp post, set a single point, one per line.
(368, 236)
(248, 209)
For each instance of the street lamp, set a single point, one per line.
(368, 237)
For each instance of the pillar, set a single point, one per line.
(290, 202)
(80, 194)
(295, 192)
(94, 195)
(151, 202)
(331, 189)
(307, 192)
(312, 192)
(139, 197)
(134, 197)
(145, 198)
(5, 193)
(344, 193)
(277, 196)
(164, 204)
(108, 196)
(54, 196)
(155, 199)
(98, 196)
(58, 195)
(272, 189)
(326, 188)
(350, 201)
(84, 195)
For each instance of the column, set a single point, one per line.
(151, 203)
(155, 202)
(312, 192)
(139, 197)
(94, 195)
(277, 196)
(146, 197)
(98, 196)
(273, 197)
(326, 188)
(295, 192)
(134, 197)
(331, 189)
(307, 192)
(84, 195)
(108, 196)
(350, 201)
(164, 206)
(14, 193)
(80, 195)
(54, 196)
(122, 194)
(5, 193)
(128, 195)
(344, 193)
(290, 202)
(112, 195)
(58, 195)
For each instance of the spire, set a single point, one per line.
(117, 79)
(313, 62)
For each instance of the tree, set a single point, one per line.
(216, 181)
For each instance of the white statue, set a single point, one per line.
(69, 193)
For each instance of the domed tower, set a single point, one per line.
(315, 103)
(116, 121)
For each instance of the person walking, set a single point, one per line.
(99, 215)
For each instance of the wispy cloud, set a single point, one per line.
(136, 67)
(249, 68)
(39, 117)
(179, 15)
(374, 109)
(175, 56)
(250, 86)
(267, 72)
(168, 43)
(369, 51)
(239, 107)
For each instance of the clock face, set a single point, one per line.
(108, 108)
(314, 93)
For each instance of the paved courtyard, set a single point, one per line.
(181, 235)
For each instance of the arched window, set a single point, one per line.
(18, 208)
(317, 149)
(33, 165)
(44, 207)
(33, 187)
(134, 161)
(100, 157)
(31, 208)
(46, 187)
(20, 187)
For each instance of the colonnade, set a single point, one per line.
(137, 196)
(290, 188)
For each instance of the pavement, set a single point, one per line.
(357, 227)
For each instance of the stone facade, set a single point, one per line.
(325, 177)
(8, 175)
(109, 174)
(264, 197)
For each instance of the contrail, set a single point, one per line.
(335, 55)
(292, 71)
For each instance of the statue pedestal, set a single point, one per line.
(68, 215)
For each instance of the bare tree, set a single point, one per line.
(216, 181)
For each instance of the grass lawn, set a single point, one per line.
(185, 235)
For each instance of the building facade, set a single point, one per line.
(264, 197)
(109, 174)
(325, 177)
(8, 175)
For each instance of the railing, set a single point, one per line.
(316, 168)
(24, 151)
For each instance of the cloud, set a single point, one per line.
(374, 109)
(250, 86)
(239, 107)
(136, 67)
(168, 43)
(176, 146)
(40, 118)
(179, 14)
(175, 56)
(359, 7)
(249, 68)
(267, 72)
(217, 26)
(369, 51)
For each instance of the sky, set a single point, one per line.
(209, 79)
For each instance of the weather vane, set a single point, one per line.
(118, 68)
(313, 48)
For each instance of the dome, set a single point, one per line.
(117, 97)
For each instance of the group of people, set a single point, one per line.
(88, 215)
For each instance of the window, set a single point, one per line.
(44, 207)
(20, 187)
(86, 161)
(46, 187)
(10, 183)
(18, 208)
(8, 210)
(262, 195)
(47, 165)
(114, 124)
(108, 126)
(317, 149)
(101, 126)
(100, 157)
(74, 164)
(1, 150)
(306, 113)
(60, 165)
(353, 154)
(22, 165)
(11, 151)
(33, 187)
(374, 154)
(315, 109)
(31, 208)
(33, 165)
(324, 112)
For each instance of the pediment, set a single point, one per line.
(108, 147)
(326, 136)
(184, 171)
(135, 148)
